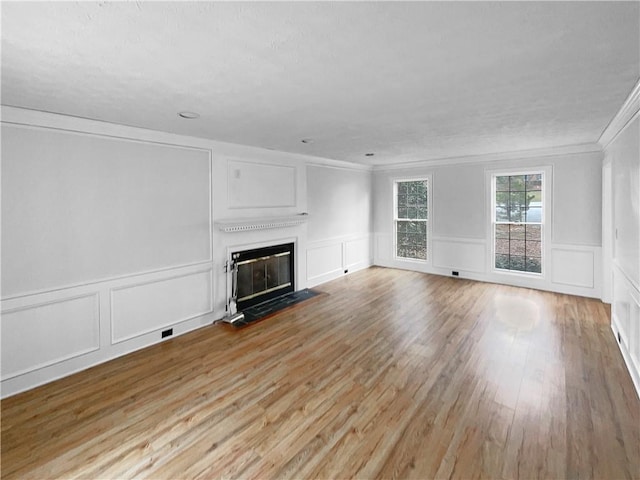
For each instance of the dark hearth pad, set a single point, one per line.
(265, 309)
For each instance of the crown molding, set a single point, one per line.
(618, 123)
(339, 164)
(36, 118)
(57, 121)
(11, 115)
(497, 157)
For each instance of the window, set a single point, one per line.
(411, 217)
(518, 222)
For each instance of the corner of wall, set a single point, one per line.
(621, 227)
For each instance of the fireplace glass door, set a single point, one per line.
(264, 274)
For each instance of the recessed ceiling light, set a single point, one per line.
(307, 140)
(189, 115)
(369, 154)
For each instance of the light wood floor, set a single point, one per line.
(390, 374)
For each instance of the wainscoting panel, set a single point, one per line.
(459, 254)
(625, 322)
(36, 336)
(53, 334)
(144, 307)
(573, 267)
(257, 185)
(329, 259)
(383, 249)
(357, 253)
(323, 261)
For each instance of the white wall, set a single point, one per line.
(106, 242)
(625, 159)
(460, 220)
(340, 223)
(453, 191)
(111, 234)
(83, 208)
(621, 142)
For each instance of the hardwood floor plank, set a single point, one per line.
(388, 374)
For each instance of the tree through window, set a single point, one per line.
(518, 222)
(411, 214)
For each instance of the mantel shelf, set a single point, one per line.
(249, 224)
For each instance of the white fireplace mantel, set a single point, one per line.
(263, 223)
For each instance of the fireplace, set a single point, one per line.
(263, 274)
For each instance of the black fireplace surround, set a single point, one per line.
(264, 273)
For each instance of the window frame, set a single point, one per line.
(545, 223)
(429, 220)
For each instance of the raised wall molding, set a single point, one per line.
(38, 348)
(256, 185)
(331, 258)
(249, 224)
(144, 307)
(573, 267)
(629, 109)
(99, 271)
(38, 335)
(469, 257)
(468, 254)
(625, 322)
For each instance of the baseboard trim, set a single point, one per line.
(633, 373)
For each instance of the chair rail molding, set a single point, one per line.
(630, 108)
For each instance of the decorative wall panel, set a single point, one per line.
(36, 336)
(142, 308)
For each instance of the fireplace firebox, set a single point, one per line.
(263, 274)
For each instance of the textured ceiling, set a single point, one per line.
(408, 81)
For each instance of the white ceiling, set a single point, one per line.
(408, 81)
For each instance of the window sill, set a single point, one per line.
(517, 273)
(411, 260)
